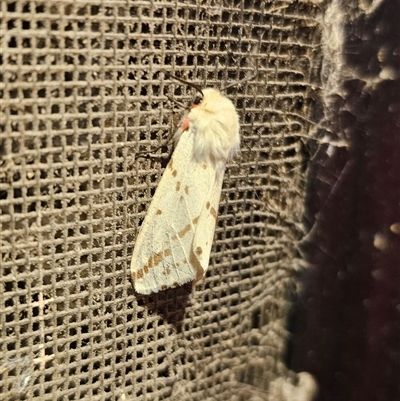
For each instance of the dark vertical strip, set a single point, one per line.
(349, 336)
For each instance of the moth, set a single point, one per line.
(174, 243)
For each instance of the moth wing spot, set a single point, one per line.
(139, 274)
(199, 250)
(178, 186)
(174, 173)
(153, 261)
(171, 164)
(195, 220)
(167, 271)
(196, 265)
(204, 165)
(181, 199)
(159, 212)
(186, 190)
(208, 205)
(213, 213)
(183, 232)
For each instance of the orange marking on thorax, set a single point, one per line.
(185, 124)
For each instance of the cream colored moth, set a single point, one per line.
(174, 243)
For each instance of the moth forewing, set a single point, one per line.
(174, 244)
(204, 235)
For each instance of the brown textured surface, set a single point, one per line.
(82, 92)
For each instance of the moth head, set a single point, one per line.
(198, 99)
(215, 123)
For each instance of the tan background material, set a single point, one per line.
(83, 90)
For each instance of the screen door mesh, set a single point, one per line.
(86, 113)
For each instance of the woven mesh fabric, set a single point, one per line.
(83, 92)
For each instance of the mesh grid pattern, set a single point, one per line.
(83, 91)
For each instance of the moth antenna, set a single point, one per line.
(192, 85)
(239, 82)
(181, 105)
(143, 152)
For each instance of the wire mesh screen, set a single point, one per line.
(85, 115)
